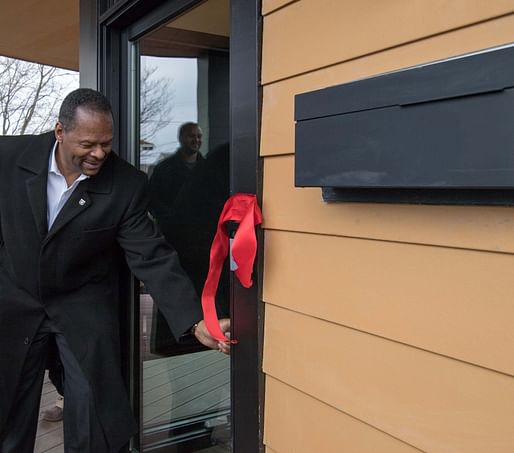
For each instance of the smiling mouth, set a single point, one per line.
(92, 165)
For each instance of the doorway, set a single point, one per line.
(184, 149)
(128, 39)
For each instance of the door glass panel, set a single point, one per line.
(184, 148)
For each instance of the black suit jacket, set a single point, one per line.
(70, 273)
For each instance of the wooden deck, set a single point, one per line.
(49, 434)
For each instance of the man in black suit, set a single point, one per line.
(179, 217)
(69, 207)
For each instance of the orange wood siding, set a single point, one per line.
(332, 31)
(427, 400)
(414, 294)
(387, 327)
(299, 423)
(301, 209)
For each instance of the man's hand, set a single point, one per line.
(204, 337)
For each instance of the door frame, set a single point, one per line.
(108, 27)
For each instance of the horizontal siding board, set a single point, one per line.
(332, 31)
(456, 303)
(277, 133)
(268, 6)
(429, 401)
(298, 423)
(302, 209)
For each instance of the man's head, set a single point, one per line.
(84, 133)
(190, 138)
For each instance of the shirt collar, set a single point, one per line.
(53, 168)
(52, 165)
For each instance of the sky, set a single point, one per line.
(182, 72)
(183, 75)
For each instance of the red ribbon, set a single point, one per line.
(241, 208)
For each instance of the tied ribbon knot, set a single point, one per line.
(243, 209)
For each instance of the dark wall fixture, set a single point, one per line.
(440, 133)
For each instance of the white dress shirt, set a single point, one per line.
(57, 190)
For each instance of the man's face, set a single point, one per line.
(85, 147)
(191, 140)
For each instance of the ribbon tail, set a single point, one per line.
(244, 247)
(241, 208)
(218, 254)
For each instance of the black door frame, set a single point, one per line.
(104, 61)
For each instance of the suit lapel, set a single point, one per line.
(80, 200)
(78, 203)
(36, 189)
(34, 158)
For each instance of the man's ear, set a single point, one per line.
(59, 131)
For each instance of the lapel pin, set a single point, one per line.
(82, 202)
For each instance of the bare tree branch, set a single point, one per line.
(156, 102)
(30, 94)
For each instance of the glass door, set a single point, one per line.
(184, 148)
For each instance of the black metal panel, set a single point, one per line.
(421, 196)
(125, 12)
(157, 15)
(462, 76)
(462, 142)
(446, 125)
(245, 101)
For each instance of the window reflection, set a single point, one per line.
(184, 149)
(187, 193)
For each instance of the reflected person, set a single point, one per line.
(187, 193)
